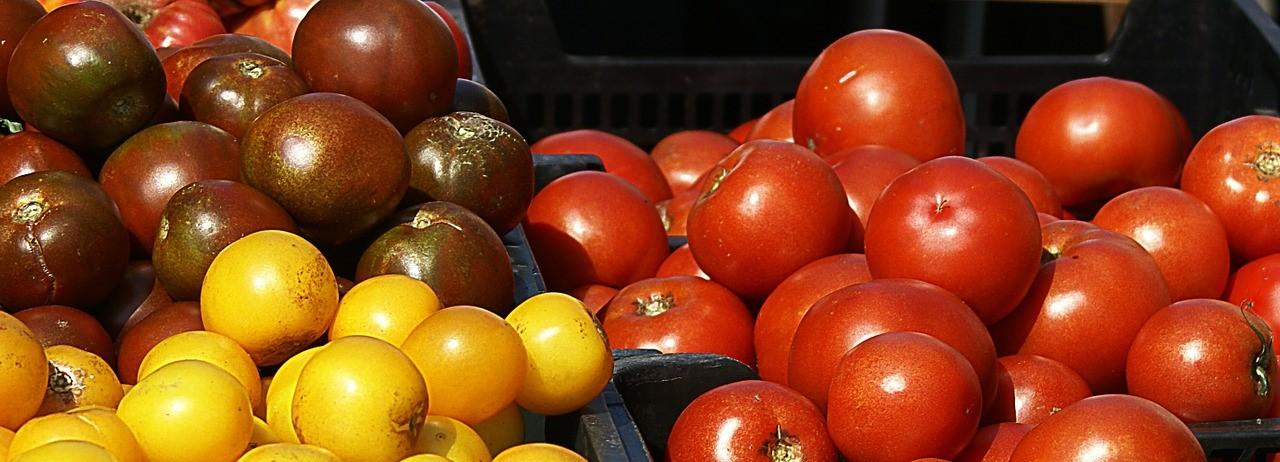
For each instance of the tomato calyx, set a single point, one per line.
(30, 209)
(715, 180)
(425, 218)
(249, 69)
(1260, 367)
(655, 304)
(1267, 163)
(139, 14)
(783, 447)
(63, 384)
(9, 127)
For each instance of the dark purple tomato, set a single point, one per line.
(470, 96)
(64, 325)
(18, 16)
(179, 64)
(230, 91)
(137, 295)
(29, 151)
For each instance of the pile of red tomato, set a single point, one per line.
(902, 302)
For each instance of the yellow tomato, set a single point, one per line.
(289, 452)
(186, 408)
(569, 358)
(66, 451)
(6, 437)
(212, 348)
(503, 430)
(262, 434)
(272, 292)
(538, 452)
(361, 398)
(452, 439)
(386, 307)
(280, 396)
(124, 388)
(474, 363)
(78, 378)
(25, 372)
(425, 458)
(97, 425)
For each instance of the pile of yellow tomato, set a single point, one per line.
(399, 379)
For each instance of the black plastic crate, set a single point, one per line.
(1216, 59)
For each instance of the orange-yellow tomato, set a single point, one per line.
(272, 292)
(361, 398)
(262, 434)
(66, 451)
(78, 378)
(538, 452)
(6, 436)
(186, 408)
(280, 396)
(386, 307)
(94, 424)
(25, 372)
(289, 452)
(569, 358)
(503, 430)
(473, 361)
(445, 436)
(212, 348)
(425, 458)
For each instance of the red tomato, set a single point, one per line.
(901, 396)
(1235, 169)
(620, 157)
(741, 132)
(1030, 388)
(1046, 218)
(955, 222)
(276, 23)
(847, 317)
(1098, 137)
(1029, 180)
(750, 421)
(1110, 428)
(681, 314)
(684, 157)
(182, 23)
(775, 124)
(593, 227)
(994, 443)
(594, 296)
(459, 39)
(865, 171)
(781, 313)
(1204, 360)
(681, 263)
(765, 211)
(1181, 234)
(880, 87)
(1087, 304)
(1257, 284)
(675, 212)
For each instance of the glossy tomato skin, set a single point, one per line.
(595, 297)
(19, 16)
(680, 314)
(64, 325)
(1030, 388)
(178, 66)
(994, 443)
(276, 24)
(593, 227)
(28, 151)
(1257, 284)
(1102, 283)
(1037, 188)
(1132, 139)
(459, 39)
(1235, 169)
(781, 313)
(397, 56)
(750, 421)
(902, 396)
(865, 172)
(847, 317)
(735, 228)
(684, 157)
(955, 222)
(880, 87)
(165, 322)
(620, 157)
(1124, 428)
(1204, 360)
(775, 124)
(741, 132)
(681, 263)
(230, 91)
(1180, 232)
(181, 23)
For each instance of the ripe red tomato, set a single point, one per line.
(681, 263)
(1181, 234)
(775, 124)
(955, 222)
(675, 212)
(594, 296)
(684, 157)
(593, 227)
(1258, 285)
(182, 22)
(1204, 360)
(765, 211)
(880, 87)
(865, 172)
(275, 22)
(620, 157)
(1235, 169)
(459, 39)
(1029, 180)
(1030, 388)
(680, 314)
(994, 443)
(901, 396)
(741, 132)
(751, 420)
(1087, 304)
(781, 313)
(1046, 218)
(847, 317)
(1098, 137)
(1110, 427)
